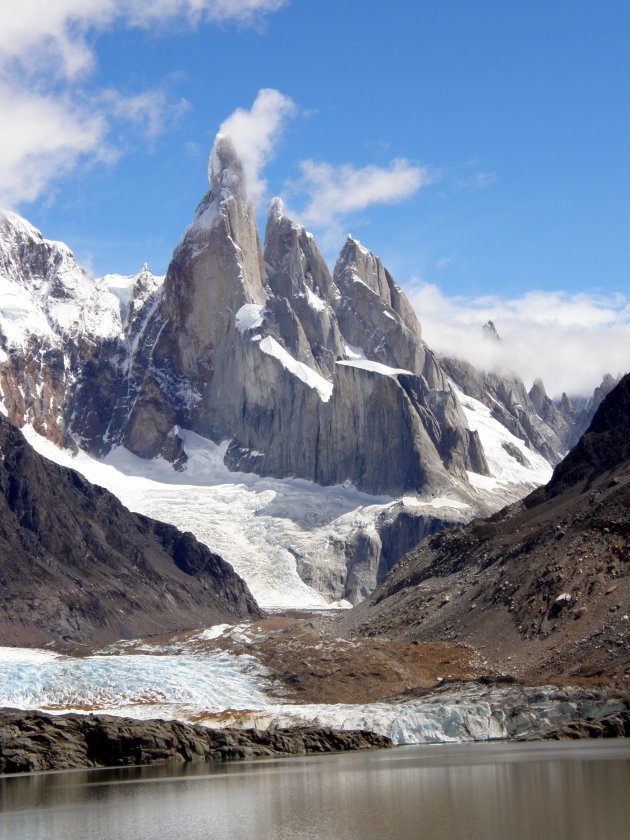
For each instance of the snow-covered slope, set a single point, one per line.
(65, 338)
(45, 293)
(510, 460)
(262, 526)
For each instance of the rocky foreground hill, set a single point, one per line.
(541, 589)
(78, 567)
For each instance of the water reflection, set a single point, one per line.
(555, 791)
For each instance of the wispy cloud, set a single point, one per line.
(41, 139)
(55, 34)
(334, 192)
(255, 134)
(46, 55)
(570, 340)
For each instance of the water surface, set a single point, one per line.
(474, 791)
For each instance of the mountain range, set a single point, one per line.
(296, 371)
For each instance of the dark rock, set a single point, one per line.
(603, 447)
(77, 566)
(616, 725)
(34, 741)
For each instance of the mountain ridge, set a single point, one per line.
(540, 587)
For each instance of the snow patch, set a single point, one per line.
(484, 482)
(373, 367)
(250, 317)
(310, 377)
(314, 301)
(354, 352)
(21, 315)
(120, 285)
(438, 503)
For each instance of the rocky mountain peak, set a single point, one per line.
(538, 394)
(225, 170)
(45, 293)
(355, 267)
(293, 259)
(132, 292)
(306, 374)
(603, 447)
(490, 331)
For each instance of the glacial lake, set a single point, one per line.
(475, 791)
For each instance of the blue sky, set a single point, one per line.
(506, 120)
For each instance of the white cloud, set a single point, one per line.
(569, 340)
(333, 192)
(151, 110)
(46, 52)
(54, 33)
(245, 12)
(48, 133)
(255, 134)
(43, 138)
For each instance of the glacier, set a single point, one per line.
(196, 684)
(259, 525)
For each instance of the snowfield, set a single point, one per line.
(496, 441)
(259, 525)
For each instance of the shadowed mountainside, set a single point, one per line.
(77, 566)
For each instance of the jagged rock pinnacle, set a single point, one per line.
(490, 331)
(276, 208)
(225, 170)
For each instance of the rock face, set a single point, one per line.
(307, 375)
(78, 566)
(542, 588)
(34, 741)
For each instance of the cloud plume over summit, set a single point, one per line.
(53, 118)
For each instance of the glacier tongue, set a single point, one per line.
(127, 684)
(297, 544)
(220, 689)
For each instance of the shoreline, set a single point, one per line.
(33, 741)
